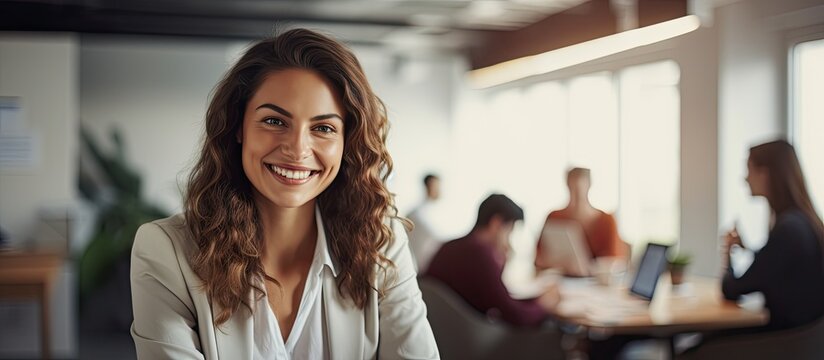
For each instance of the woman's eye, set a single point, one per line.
(273, 121)
(325, 128)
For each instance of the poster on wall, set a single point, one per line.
(18, 145)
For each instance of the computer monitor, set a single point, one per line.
(566, 248)
(649, 270)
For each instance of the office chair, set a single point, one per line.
(806, 342)
(464, 333)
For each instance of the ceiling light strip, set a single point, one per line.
(580, 53)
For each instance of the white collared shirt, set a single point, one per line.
(307, 339)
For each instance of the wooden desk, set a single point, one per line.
(698, 306)
(31, 276)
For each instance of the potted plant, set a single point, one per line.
(677, 264)
(112, 184)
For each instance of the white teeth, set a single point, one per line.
(290, 174)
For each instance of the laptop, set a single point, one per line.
(652, 265)
(566, 247)
(606, 306)
(613, 307)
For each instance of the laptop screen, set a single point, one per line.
(652, 265)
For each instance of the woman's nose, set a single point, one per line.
(298, 145)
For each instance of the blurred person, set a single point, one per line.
(473, 265)
(289, 245)
(788, 270)
(425, 238)
(600, 229)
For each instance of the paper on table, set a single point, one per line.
(532, 288)
(602, 305)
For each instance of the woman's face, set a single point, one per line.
(757, 178)
(292, 137)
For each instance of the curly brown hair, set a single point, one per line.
(219, 207)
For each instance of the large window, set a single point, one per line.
(650, 153)
(623, 125)
(593, 135)
(808, 114)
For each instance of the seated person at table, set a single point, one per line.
(599, 228)
(788, 270)
(472, 266)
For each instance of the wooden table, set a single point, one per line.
(31, 276)
(696, 306)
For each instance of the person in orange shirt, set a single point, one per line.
(599, 227)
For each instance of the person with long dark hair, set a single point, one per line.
(789, 269)
(289, 244)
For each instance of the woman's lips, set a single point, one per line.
(291, 176)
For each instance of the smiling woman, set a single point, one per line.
(289, 245)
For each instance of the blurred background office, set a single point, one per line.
(102, 105)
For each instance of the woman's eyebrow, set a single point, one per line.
(283, 111)
(275, 108)
(326, 116)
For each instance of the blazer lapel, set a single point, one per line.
(344, 322)
(235, 337)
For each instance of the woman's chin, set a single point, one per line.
(292, 203)
(285, 202)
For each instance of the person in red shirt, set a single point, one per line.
(600, 229)
(472, 266)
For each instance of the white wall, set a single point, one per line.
(697, 55)
(40, 69)
(155, 90)
(419, 96)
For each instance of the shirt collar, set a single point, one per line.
(322, 248)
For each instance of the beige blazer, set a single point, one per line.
(173, 316)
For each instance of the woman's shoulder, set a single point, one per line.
(169, 235)
(794, 224)
(793, 233)
(399, 240)
(791, 217)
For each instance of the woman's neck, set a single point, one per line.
(289, 235)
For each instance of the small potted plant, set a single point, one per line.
(677, 264)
